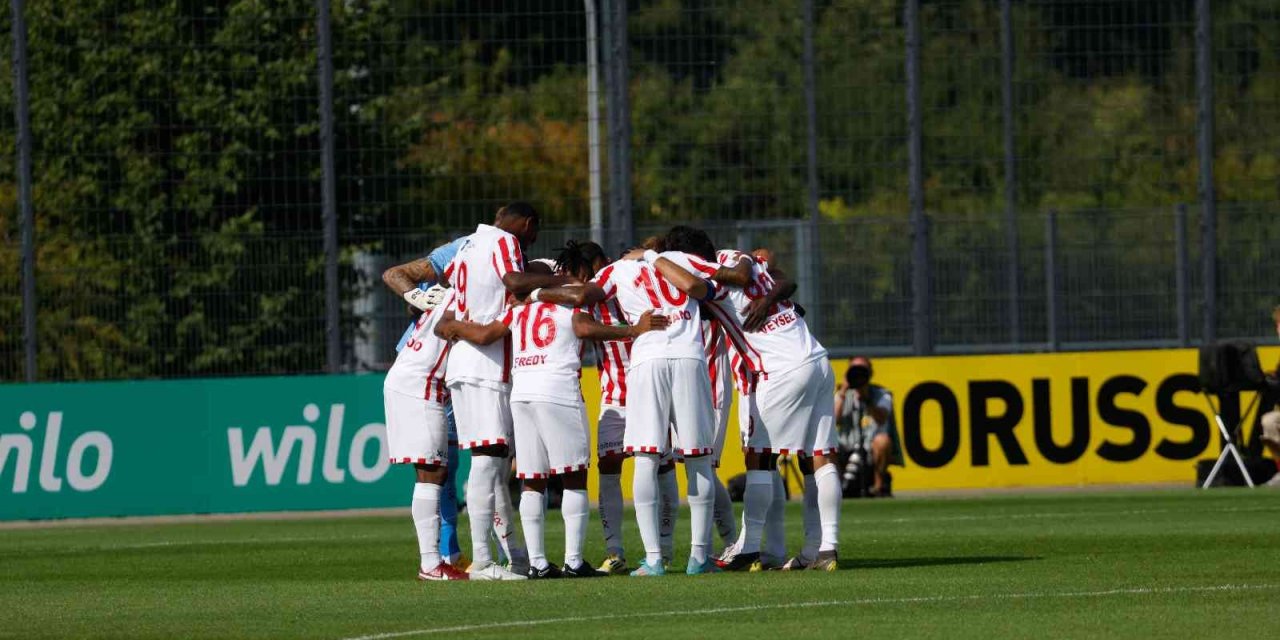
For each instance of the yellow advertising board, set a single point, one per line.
(1037, 420)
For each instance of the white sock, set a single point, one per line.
(425, 510)
(576, 511)
(533, 512)
(644, 496)
(829, 497)
(669, 499)
(812, 522)
(611, 512)
(756, 502)
(775, 530)
(504, 518)
(736, 548)
(480, 507)
(726, 524)
(702, 502)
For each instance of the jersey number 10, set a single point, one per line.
(676, 298)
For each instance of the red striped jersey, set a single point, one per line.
(614, 356)
(476, 275)
(718, 365)
(547, 355)
(419, 368)
(785, 341)
(638, 288)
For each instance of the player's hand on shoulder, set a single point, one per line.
(634, 254)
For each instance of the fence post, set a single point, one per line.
(921, 285)
(1183, 277)
(328, 190)
(1204, 144)
(1051, 277)
(814, 254)
(22, 116)
(618, 113)
(1010, 173)
(593, 124)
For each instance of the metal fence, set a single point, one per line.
(213, 189)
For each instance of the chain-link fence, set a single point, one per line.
(215, 189)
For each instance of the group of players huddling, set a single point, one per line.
(677, 326)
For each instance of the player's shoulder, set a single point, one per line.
(545, 261)
(617, 266)
(494, 232)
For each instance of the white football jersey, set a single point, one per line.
(476, 275)
(638, 288)
(547, 357)
(784, 342)
(614, 356)
(420, 366)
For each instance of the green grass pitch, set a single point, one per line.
(1174, 564)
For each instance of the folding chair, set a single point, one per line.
(1230, 367)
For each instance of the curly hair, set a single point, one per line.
(577, 257)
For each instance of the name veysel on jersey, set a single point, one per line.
(547, 356)
(784, 342)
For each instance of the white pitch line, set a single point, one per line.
(1062, 514)
(810, 605)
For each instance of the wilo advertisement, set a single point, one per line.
(199, 446)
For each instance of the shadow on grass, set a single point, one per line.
(899, 563)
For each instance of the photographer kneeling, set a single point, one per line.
(865, 421)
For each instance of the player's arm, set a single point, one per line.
(757, 312)
(683, 280)
(573, 296)
(738, 275)
(451, 328)
(520, 283)
(403, 281)
(587, 327)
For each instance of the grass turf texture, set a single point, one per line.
(1169, 564)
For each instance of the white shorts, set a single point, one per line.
(551, 439)
(794, 412)
(663, 391)
(417, 431)
(610, 430)
(483, 414)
